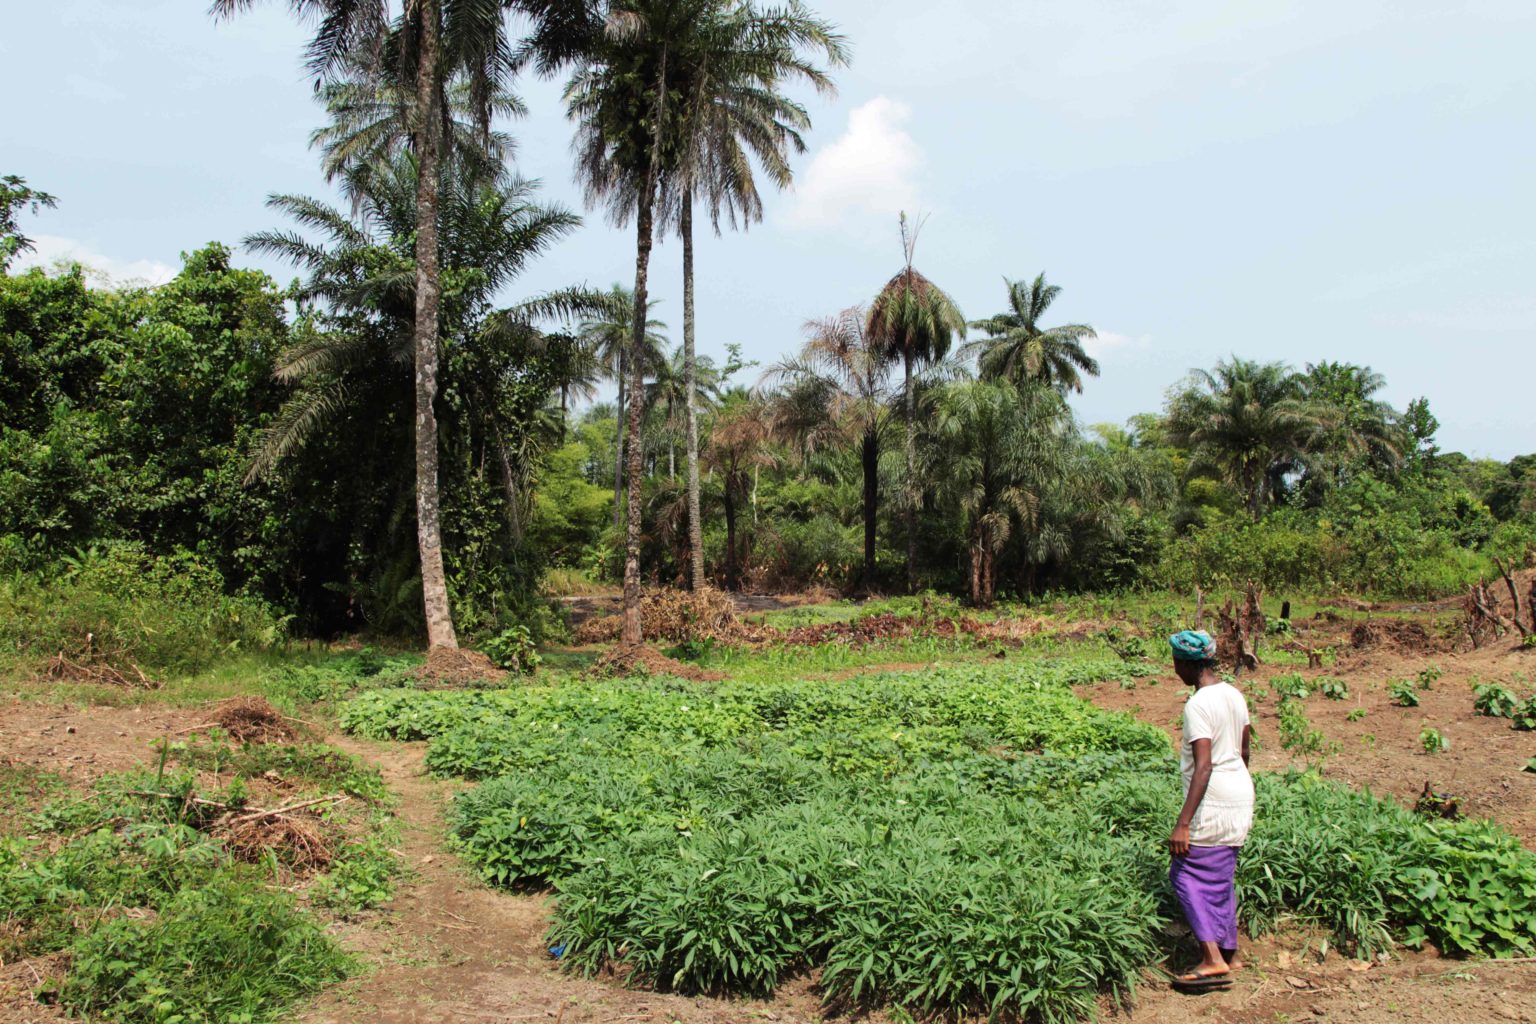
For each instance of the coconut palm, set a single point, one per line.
(837, 392)
(607, 336)
(1017, 348)
(915, 321)
(418, 51)
(1248, 424)
(732, 114)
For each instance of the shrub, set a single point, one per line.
(120, 606)
(1525, 715)
(1404, 693)
(1494, 700)
(514, 650)
(1333, 689)
(1290, 687)
(225, 951)
(1433, 741)
(1297, 733)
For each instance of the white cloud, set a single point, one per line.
(51, 250)
(1112, 341)
(871, 168)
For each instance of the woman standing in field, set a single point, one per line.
(1217, 812)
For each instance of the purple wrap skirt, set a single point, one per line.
(1203, 881)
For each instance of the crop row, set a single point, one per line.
(972, 840)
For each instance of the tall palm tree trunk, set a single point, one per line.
(632, 634)
(911, 488)
(618, 449)
(429, 535)
(870, 456)
(690, 370)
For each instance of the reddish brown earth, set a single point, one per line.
(1382, 751)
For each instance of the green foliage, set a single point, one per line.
(1356, 715)
(1433, 741)
(1524, 716)
(224, 951)
(118, 605)
(908, 835)
(1333, 689)
(206, 937)
(1290, 686)
(1297, 734)
(514, 650)
(1493, 700)
(16, 196)
(362, 875)
(1404, 693)
(1365, 868)
(1428, 676)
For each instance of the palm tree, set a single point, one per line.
(733, 112)
(370, 123)
(1361, 431)
(1247, 423)
(680, 388)
(361, 272)
(837, 391)
(607, 336)
(418, 52)
(994, 450)
(1017, 348)
(738, 447)
(626, 144)
(913, 320)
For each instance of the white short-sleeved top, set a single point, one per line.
(1218, 713)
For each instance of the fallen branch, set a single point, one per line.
(276, 811)
(183, 799)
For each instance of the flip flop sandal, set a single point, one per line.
(1200, 982)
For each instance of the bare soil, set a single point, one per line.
(1382, 751)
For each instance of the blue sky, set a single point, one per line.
(1281, 179)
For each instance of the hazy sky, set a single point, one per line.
(1281, 179)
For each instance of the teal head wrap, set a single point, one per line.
(1192, 645)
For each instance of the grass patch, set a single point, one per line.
(174, 898)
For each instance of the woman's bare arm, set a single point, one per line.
(1178, 842)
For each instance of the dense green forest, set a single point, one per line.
(404, 441)
(259, 438)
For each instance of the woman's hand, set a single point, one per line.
(1178, 842)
